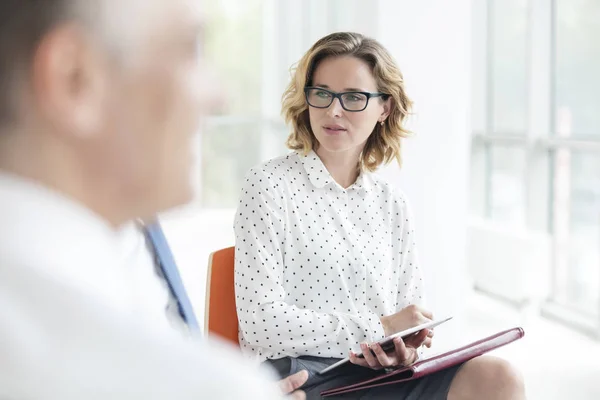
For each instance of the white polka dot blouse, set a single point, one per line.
(317, 265)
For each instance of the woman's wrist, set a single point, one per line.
(385, 325)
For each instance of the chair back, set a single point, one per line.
(220, 316)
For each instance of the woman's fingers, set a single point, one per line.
(384, 360)
(417, 339)
(406, 355)
(369, 357)
(354, 359)
(404, 351)
(403, 354)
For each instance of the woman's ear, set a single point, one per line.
(388, 106)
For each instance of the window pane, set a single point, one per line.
(478, 176)
(229, 149)
(576, 71)
(507, 184)
(234, 46)
(231, 144)
(509, 39)
(577, 229)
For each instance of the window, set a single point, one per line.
(508, 66)
(507, 105)
(576, 66)
(539, 144)
(576, 177)
(507, 184)
(576, 225)
(232, 143)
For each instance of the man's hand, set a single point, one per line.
(293, 382)
(404, 353)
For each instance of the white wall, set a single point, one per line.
(431, 42)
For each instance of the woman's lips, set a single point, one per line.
(333, 130)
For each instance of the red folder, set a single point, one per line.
(435, 363)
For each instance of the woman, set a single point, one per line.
(325, 249)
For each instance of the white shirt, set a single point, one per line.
(317, 265)
(70, 326)
(150, 290)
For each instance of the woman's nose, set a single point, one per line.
(335, 108)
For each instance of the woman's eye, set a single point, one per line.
(355, 98)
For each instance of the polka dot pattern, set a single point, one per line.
(317, 265)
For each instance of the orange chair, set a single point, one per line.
(220, 315)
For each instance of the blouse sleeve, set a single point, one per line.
(410, 283)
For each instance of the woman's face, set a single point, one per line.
(337, 129)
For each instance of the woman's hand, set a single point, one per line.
(406, 318)
(404, 353)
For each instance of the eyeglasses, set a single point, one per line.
(351, 101)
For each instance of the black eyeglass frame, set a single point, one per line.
(338, 96)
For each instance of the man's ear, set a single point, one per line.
(66, 81)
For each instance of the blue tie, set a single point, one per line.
(166, 262)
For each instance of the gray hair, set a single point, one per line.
(23, 25)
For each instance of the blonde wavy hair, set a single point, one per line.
(384, 143)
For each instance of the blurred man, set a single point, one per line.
(99, 101)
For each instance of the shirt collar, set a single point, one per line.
(315, 169)
(320, 177)
(363, 183)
